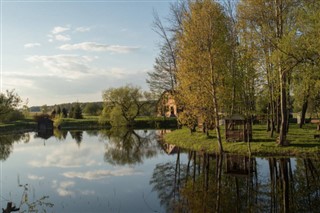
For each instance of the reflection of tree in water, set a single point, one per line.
(92, 132)
(6, 142)
(77, 136)
(128, 146)
(207, 184)
(203, 190)
(60, 134)
(167, 179)
(303, 185)
(201, 186)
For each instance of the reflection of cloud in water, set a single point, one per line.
(35, 177)
(67, 157)
(63, 188)
(100, 174)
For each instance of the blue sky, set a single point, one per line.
(65, 51)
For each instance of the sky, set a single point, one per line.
(61, 51)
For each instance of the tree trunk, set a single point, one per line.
(215, 104)
(269, 118)
(303, 113)
(285, 184)
(283, 103)
(288, 103)
(282, 77)
(218, 181)
(278, 115)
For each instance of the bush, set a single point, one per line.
(12, 116)
(37, 117)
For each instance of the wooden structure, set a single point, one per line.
(237, 128)
(45, 124)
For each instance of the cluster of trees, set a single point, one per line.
(121, 107)
(71, 110)
(124, 104)
(250, 57)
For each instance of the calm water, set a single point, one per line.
(130, 171)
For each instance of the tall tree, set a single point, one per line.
(204, 52)
(256, 26)
(271, 22)
(77, 114)
(163, 77)
(306, 46)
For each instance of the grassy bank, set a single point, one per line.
(302, 142)
(88, 122)
(18, 126)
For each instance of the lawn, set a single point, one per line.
(302, 142)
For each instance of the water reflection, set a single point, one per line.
(113, 170)
(128, 146)
(212, 183)
(83, 171)
(6, 143)
(77, 136)
(44, 134)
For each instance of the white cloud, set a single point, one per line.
(59, 34)
(100, 174)
(96, 47)
(58, 29)
(61, 37)
(71, 66)
(83, 29)
(43, 86)
(31, 45)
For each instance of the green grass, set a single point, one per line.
(18, 126)
(301, 141)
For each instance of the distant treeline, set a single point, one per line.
(89, 108)
(67, 106)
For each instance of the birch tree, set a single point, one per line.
(204, 52)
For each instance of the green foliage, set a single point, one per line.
(38, 117)
(13, 115)
(92, 109)
(9, 101)
(116, 118)
(77, 114)
(71, 112)
(123, 104)
(64, 112)
(204, 53)
(105, 115)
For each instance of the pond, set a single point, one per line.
(132, 171)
